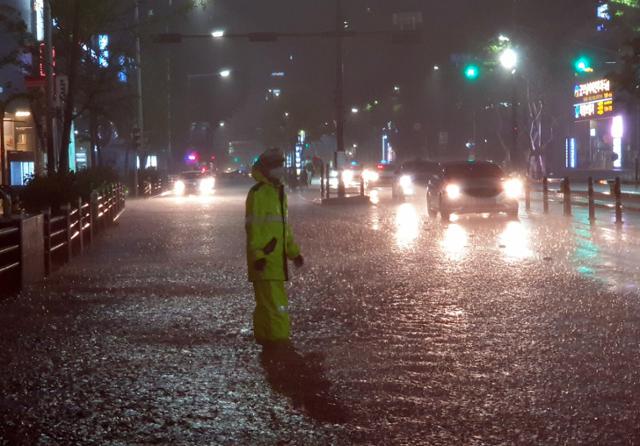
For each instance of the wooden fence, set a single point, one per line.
(63, 234)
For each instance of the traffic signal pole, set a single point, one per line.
(140, 110)
(339, 156)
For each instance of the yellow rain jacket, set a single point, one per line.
(269, 235)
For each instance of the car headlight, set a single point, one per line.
(513, 188)
(206, 185)
(370, 176)
(347, 176)
(453, 191)
(406, 181)
(179, 187)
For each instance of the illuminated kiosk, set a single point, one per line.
(599, 138)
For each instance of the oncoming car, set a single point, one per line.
(194, 183)
(412, 177)
(381, 175)
(473, 187)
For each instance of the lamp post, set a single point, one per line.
(340, 155)
(509, 61)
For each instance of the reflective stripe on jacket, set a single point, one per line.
(269, 235)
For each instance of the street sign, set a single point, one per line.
(61, 90)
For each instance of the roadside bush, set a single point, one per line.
(97, 178)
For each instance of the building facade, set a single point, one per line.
(20, 150)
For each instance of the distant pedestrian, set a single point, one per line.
(270, 244)
(304, 178)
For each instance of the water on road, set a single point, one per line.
(408, 330)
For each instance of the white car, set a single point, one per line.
(194, 183)
(473, 187)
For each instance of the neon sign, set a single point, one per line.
(595, 100)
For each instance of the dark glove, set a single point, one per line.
(260, 264)
(298, 261)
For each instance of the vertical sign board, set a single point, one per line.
(299, 147)
(38, 10)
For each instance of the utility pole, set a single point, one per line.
(515, 155)
(139, 89)
(339, 156)
(48, 67)
(169, 114)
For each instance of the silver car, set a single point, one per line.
(473, 187)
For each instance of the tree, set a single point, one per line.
(93, 85)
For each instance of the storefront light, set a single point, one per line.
(617, 133)
(23, 114)
(617, 127)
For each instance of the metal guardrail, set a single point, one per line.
(615, 199)
(325, 183)
(148, 188)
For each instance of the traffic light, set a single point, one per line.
(583, 65)
(136, 138)
(472, 72)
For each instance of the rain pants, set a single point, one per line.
(269, 237)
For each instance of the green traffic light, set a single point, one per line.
(583, 65)
(472, 72)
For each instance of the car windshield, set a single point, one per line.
(473, 170)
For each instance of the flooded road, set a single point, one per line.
(415, 331)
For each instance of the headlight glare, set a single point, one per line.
(370, 176)
(179, 187)
(453, 191)
(406, 181)
(513, 188)
(347, 177)
(206, 185)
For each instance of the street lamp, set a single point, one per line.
(509, 59)
(217, 33)
(225, 73)
(354, 110)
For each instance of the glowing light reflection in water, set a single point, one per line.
(374, 196)
(515, 239)
(198, 199)
(407, 226)
(454, 242)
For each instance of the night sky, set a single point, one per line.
(373, 65)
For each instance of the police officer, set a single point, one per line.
(270, 244)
